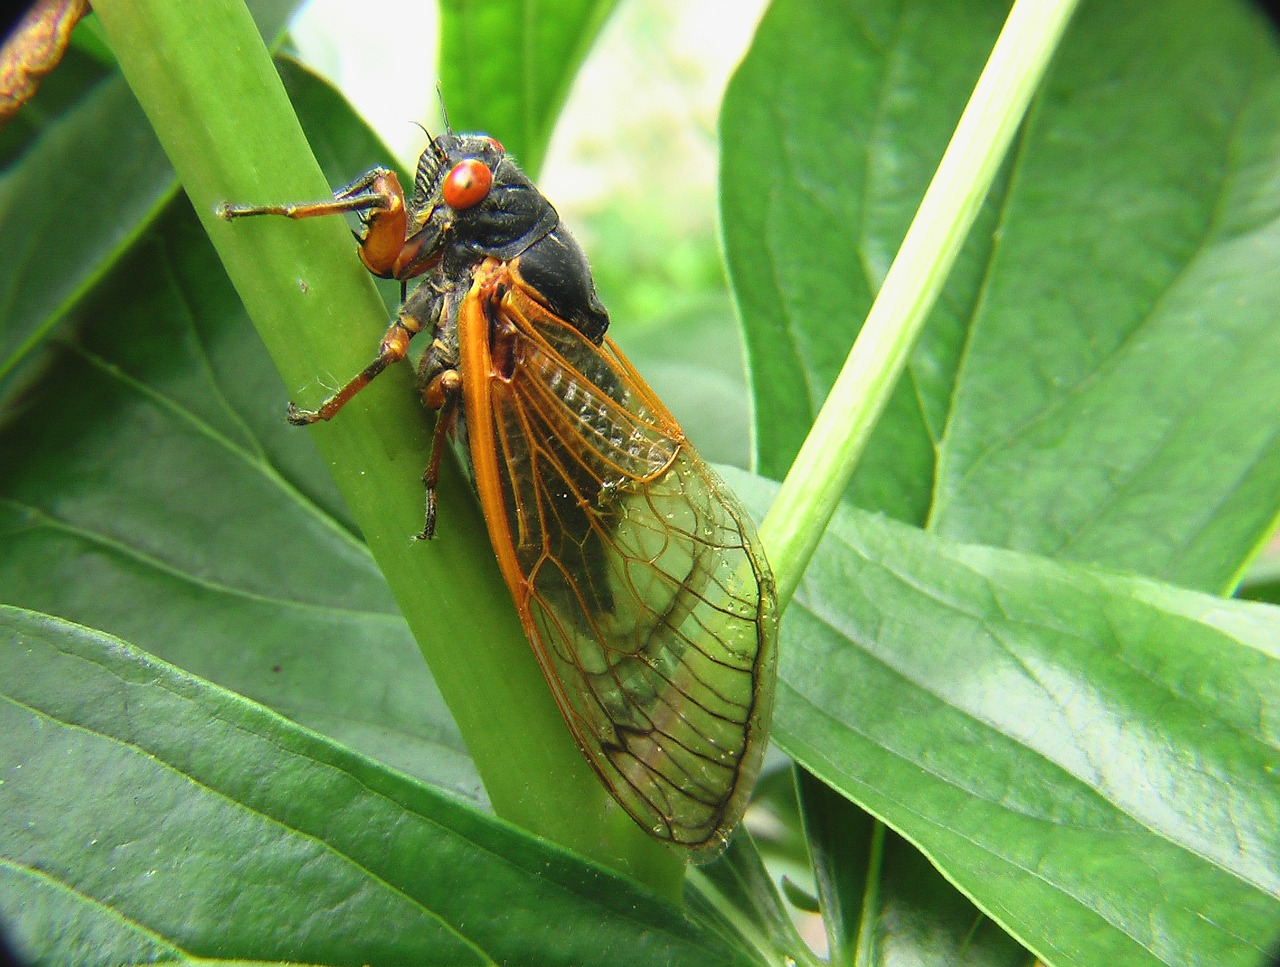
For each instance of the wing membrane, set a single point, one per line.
(637, 574)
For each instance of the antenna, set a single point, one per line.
(444, 111)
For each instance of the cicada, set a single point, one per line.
(637, 574)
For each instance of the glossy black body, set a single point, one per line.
(513, 223)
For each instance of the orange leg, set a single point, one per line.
(376, 196)
(395, 344)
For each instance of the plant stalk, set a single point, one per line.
(206, 82)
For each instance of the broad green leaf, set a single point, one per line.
(1128, 319)
(506, 66)
(1090, 757)
(214, 828)
(91, 179)
(831, 129)
(1080, 387)
(157, 493)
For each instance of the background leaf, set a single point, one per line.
(883, 903)
(831, 128)
(1073, 382)
(530, 53)
(1075, 392)
(92, 176)
(262, 840)
(1088, 755)
(162, 498)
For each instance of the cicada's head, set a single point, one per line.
(473, 200)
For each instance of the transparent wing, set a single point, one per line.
(638, 575)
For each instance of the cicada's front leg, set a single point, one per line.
(376, 196)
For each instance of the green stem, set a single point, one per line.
(207, 84)
(820, 475)
(869, 917)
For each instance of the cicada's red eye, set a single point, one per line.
(467, 184)
(497, 145)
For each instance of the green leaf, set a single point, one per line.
(1090, 757)
(91, 179)
(1069, 396)
(831, 128)
(506, 66)
(214, 828)
(884, 903)
(160, 496)
(846, 845)
(737, 892)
